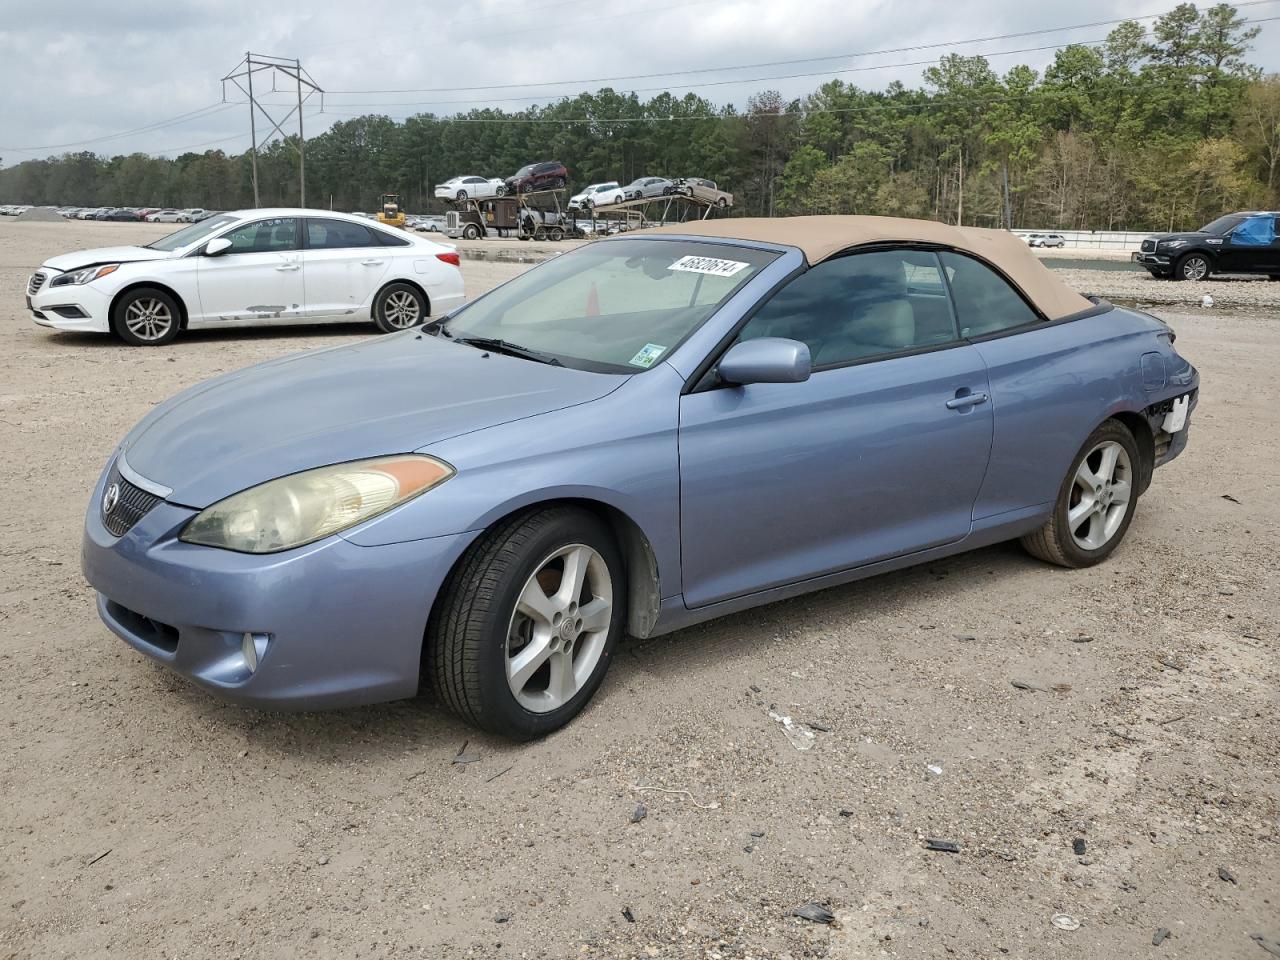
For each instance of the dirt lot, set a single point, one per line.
(144, 819)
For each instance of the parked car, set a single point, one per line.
(702, 189)
(597, 195)
(192, 215)
(120, 213)
(548, 175)
(430, 224)
(1044, 240)
(1235, 243)
(647, 187)
(572, 457)
(165, 216)
(248, 267)
(471, 187)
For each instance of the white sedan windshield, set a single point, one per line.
(193, 234)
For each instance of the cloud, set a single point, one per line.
(68, 73)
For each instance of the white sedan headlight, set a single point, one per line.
(83, 275)
(295, 510)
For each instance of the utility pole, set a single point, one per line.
(293, 70)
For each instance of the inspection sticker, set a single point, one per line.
(647, 355)
(708, 265)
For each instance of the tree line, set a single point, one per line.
(1161, 128)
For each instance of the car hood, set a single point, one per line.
(87, 258)
(381, 396)
(1185, 235)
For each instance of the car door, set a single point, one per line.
(880, 453)
(1250, 247)
(259, 278)
(344, 265)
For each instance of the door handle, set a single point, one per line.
(372, 263)
(287, 266)
(966, 400)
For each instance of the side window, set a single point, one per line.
(861, 306)
(984, 301)
(1255, 232)
(388, 239)
(337, 235)
(265, 236)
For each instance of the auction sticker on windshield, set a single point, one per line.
(648, 354)
(708, 265)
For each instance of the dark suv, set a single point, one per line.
(547, 175)
(1236, 243)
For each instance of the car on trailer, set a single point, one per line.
(464, 188)
(699, 188)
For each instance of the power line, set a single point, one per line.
(780, 63)
(200, 114)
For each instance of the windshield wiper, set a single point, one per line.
(511, 349)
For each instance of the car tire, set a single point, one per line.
(461, 196)
(500, 191)
(146, 317)
(556, 235)
(1194, 266)
(481, 626)
(470, 232)
(722, 202)
(398, 306)
(1095, 504)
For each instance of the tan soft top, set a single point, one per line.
(821, 237)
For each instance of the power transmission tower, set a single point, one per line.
(254, 63)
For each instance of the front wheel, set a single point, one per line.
(1095, 503)
(462, 196)
(527, 622)
(398, 306)
(500, 191)
(471, 232)
(146, 317)
(1194, 266)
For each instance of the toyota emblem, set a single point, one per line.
(110, 497)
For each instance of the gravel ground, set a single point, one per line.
(146, 819)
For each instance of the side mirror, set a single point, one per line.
(217, 246)
(766, 360)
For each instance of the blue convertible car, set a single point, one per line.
(641, 434)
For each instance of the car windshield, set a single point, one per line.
(192, 234)
(1223, 225)
(617, 306)
(524, 171)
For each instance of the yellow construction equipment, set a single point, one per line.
(391, 214)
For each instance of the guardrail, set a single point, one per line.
(1096, 239)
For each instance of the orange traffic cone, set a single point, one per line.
(593, 301)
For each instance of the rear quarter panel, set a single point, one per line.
(1052, 385)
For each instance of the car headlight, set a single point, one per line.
(83, 275)
(291, 511)
(1173, 244)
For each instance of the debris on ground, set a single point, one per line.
(800, 738)
(934, 768)
(713, 805)
(1078, 846)
(1064, 921)
(1226, 875)
(813, 911)
(844, 812)
(964, 637)
(1206, 301)
(461, 757)
(1160, 936)
(502, 918)
(97, 858)
(1266, 943)
(1082, 639)
(820, 727)
(1227, 496)
(628, 915)
(639, 813)
(942, 846)
(1028, 685)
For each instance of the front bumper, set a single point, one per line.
(335, 624)
(1158, 263)
(70, 307)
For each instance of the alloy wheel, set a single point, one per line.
(148, 318)
(1100, 494)
(559, 628)
(401, 310)
(1195, 268)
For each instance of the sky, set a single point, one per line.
(146, 75)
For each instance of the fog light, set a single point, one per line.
(254, 647)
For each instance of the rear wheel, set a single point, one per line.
(527, 622)
(398, 306)
(557, 234)
(462, 196)
(146, 317)
(1095, 503)
(1194, 266)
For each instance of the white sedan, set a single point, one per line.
(165, 216)
(471, 188)
(249, 267)
(598, 195)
